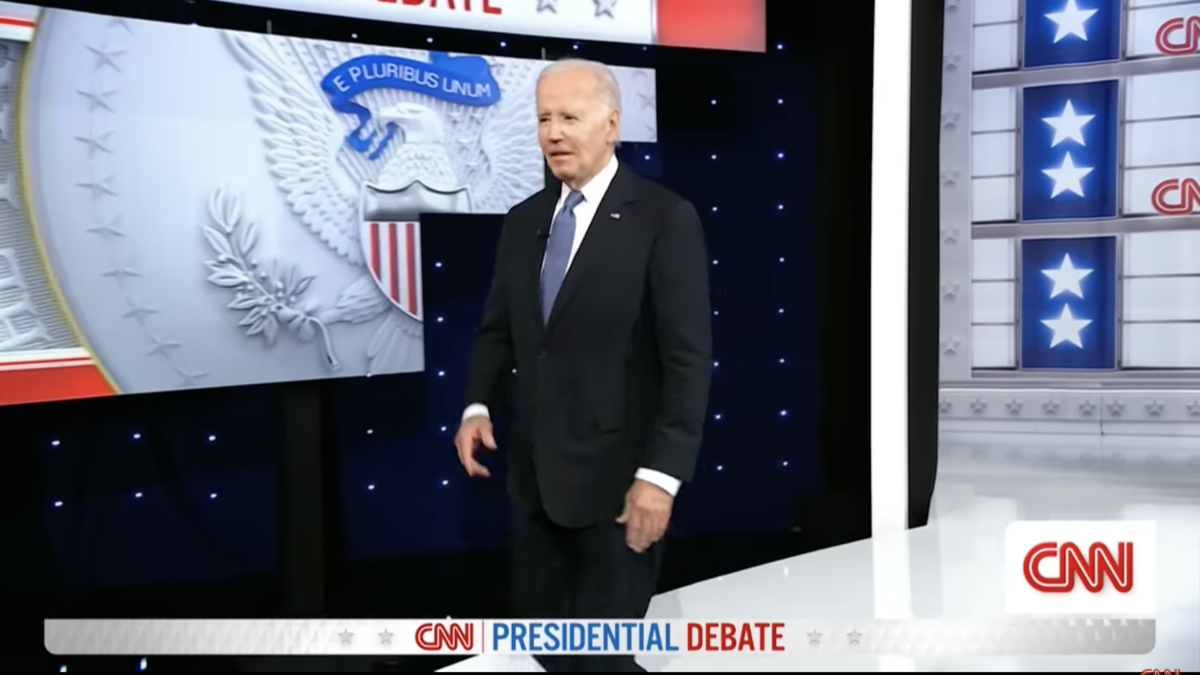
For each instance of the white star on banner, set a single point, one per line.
(1068, 126)
(1066, 278)
(1071, 21)
(1068, 177)
(1066, 328)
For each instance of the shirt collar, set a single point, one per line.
(594, 191)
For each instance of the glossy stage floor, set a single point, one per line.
(954, 565)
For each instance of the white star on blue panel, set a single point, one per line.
(1071, 21)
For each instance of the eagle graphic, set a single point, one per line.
(490, 154)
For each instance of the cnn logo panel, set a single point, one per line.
(1081, 568)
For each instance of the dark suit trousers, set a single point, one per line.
(587, 573)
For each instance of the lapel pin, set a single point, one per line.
(614, 216)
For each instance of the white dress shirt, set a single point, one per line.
(593, 192)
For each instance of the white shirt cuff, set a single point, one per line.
(662, 480)
(475, 409)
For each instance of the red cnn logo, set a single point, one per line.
(1165, 200)
(1178, 36)
(1073, 565)
(443, 637)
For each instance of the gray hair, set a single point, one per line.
(610, 92)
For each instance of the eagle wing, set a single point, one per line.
(304, 138)
(497, 146)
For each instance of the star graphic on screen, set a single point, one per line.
(814, 638)
(385, 638)
(605, 7)
(1066, 328)
(548, 5)
(346, 637)
(1068, 177)
(854, 636)
(1071, 21)
(1068, 126)
(1066, 278)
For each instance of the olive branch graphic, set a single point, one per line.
(269, 295)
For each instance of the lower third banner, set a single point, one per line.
(933, 637)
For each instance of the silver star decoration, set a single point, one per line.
(346, 636)
(548, 6)
(138, 311)
(121, 273)
(96, 143)
(1115, 408)
(1051, 407)
(1154, 408)
(161, 346)
(385, 638)
(950, 176)
(1087, 408)
(814, 638)
(1014, 407)
(854, 636)
(1193, 409)
(950, 119)
(950, 345)
(605, 7)
(106, 57)
(950, 290)
(121, 22)
(648, 100)
(98, 99)
(949, 235)
(99, 188)
(944, 406)
(978, 406)
(191, 377)
(951, 5)
(108, 231)
(951, 59)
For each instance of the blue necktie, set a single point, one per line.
(558, 252)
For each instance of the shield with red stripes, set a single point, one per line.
(393, 254)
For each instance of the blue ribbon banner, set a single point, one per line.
(465, 80)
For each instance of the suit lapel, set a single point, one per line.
(545, 214)
(601, 234)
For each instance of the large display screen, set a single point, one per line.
(1070, 217)
(1070, 201)
(183, 206)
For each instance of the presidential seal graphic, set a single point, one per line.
(212, 208)
(246, 208)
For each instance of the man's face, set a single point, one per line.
(574, 128)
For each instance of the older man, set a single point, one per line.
(600, 304)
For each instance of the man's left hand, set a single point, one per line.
(647, 512)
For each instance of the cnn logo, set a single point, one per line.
(446, 637)
(1081, 568)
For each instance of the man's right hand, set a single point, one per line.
(471, 433)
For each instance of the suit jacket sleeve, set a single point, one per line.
(492, 359)
(683, 325)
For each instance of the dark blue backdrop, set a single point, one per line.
(178, 488)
